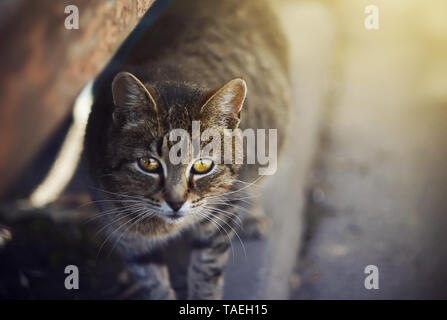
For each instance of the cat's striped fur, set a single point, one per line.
(194, 49)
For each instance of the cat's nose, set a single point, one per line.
(175, 205)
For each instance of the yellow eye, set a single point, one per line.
(149, 164)
(202, 166)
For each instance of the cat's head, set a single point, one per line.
(153, 192)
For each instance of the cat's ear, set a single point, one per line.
(131, 98)
(226, 103)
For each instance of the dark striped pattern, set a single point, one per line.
(191, 51)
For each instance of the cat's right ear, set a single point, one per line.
(131, 98)
(225, 105)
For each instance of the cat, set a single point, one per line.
(223, 63)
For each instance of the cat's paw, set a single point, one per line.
(158, 294)
(254, 227)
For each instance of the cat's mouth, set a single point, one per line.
(172, 214)
(173, 218)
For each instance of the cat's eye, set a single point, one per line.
(149, 164)
(202, 166)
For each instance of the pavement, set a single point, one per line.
(378, 191)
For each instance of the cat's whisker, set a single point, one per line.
(227, 214)
(221, 203)
(120, 216)
(243, 193)
(247, 183)
(144, 215)
(229, 204)
(132, 199)
(232, 218)
(109, 212)
(235, 232)
(117, 229)
(120, 194)
(118, 210)
(244, 199)
(241, 189)
(107, 200)
(238, 198)
(208, 216)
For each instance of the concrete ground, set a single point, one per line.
(378, 195)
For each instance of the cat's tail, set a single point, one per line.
(67, 160)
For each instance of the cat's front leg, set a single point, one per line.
(208, 260)
(254, 221)
(147, 267)
(152, 280)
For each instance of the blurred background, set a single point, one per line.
(379, 184)
(363, 181)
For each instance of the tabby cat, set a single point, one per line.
(223, 63)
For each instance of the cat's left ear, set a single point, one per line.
(226, 103)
